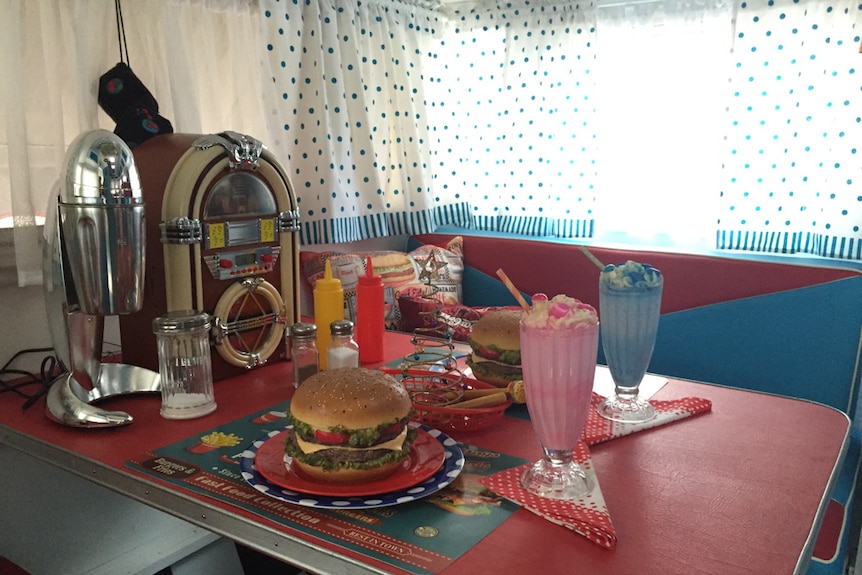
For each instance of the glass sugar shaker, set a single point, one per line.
(304, 354)
(185, 365)
(343, 351)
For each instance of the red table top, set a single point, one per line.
(736, 490)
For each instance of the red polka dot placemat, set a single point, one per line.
(598, 429)
(587, 516)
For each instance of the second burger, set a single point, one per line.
(495, 341)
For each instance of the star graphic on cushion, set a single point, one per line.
(430, 267)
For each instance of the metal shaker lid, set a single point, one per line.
(184, 321)
(341, 327)
(303, 330)
(100, 170)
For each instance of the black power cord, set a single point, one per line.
(20, 379)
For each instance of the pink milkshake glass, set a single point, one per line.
(559, 363)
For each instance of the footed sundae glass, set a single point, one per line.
(559, 344)
(629, 305)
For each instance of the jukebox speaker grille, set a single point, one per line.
(249, 319)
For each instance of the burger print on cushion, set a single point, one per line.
(349, 426)
(434, 271)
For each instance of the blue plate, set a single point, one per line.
(453, 463)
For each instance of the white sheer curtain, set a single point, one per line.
(201, 59)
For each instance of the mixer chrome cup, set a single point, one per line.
(93, 263)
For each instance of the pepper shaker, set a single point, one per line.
(304, 353)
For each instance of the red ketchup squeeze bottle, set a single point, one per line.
(370, 316)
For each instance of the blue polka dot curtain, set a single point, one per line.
(349, 84)
(689, 123)
(793, 177)
(514, 115)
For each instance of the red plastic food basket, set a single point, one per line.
(434, 392)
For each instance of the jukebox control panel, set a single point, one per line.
(232, 265)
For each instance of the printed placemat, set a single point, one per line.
(423, 536)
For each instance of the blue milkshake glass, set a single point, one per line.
(629, 307)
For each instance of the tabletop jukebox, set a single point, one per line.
(222, 237)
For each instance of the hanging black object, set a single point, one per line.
(127, 100)
(120, 90)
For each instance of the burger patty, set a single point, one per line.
(495, 368)
(335, 457)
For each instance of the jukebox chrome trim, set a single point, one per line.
(182, 231)
(243, 151)
(288, 221)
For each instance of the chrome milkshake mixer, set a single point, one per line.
(93, 263)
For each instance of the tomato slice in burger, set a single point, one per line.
(331, 437)
(489, 353)
(391, 429)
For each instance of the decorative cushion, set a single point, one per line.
(423, 317)
(428, 272)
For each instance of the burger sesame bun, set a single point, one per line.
(499, 328)
(351, 397)
(348, 475)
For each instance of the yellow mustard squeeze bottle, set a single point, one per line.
(328, 307)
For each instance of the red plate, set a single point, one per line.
(425, 458)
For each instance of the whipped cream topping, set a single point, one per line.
(559, 312)
(631, 275)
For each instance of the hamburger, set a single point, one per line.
(495, 341)
(393, 267)
(349, 425)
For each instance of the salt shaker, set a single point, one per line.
(343, 350)
(304, 352)
(185, 365)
